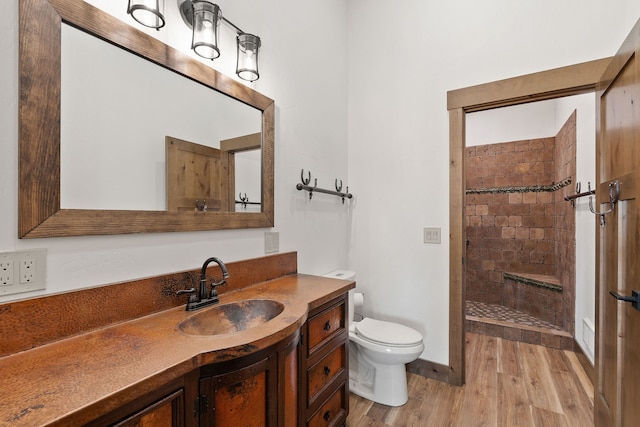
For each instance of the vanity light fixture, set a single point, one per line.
(149, 13)
(204, 19)
(247, 63)
(205, 25)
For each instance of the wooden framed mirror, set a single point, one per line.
(39, 196)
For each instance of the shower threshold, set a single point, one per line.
(504, 322)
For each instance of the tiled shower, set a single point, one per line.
(520, 255)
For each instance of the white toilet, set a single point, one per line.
(378, 352)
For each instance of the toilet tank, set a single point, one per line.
(341, 274)
(345, 275)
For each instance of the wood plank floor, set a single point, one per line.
(508, 384)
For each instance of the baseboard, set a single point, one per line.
(428, 369)
(589, 369)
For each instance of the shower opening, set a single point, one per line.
(521, 251)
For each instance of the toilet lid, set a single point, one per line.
(387, 332)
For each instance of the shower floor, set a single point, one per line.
(498, 320)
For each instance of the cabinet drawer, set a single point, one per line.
(325, 325)
(323, 372)
(333, 412)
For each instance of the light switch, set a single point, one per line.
(432, 235)
(271, 242)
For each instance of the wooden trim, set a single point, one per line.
(242, 143)
(40, 214)
(589, 369)
(428, 369)
(456, 254)
(565, 81)
(555, 83)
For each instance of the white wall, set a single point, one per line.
(585, 221)
(303, 68)
(402, 61)
(516, 123)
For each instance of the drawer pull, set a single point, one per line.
(327, 371)
(327, 416)
(327, 326)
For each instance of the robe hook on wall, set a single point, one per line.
(614, 195)
(305, 186)
(578, 194)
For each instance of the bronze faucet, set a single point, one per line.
(201, 296)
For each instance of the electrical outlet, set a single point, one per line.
(22, 271)
(271, 242)
(6, 271)
(28, 270)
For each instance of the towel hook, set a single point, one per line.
(315, 185)
(244, 199)
(338, 189)
(305, 181)
(202, 207)
(578, 188)
(614, 195)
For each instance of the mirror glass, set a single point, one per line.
(92, 162)
(117, 108)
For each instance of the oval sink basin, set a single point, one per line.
(231, 317)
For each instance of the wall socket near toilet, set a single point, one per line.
(432, 235)
(271, 242)
(23, 271)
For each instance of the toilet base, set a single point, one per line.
(389, 387)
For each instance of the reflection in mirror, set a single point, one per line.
(116, 110)
(247, 181)
(41, 213)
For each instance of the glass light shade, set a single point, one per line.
(149, 13)
(247, 65)
(206, 23)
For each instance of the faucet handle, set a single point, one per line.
(191, 292)
(213, 294)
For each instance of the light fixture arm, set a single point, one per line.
(186, 11)
(238, 30)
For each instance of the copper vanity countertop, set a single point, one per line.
(76, 379)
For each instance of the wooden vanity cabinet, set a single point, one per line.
(246, 396)
(301, 381)
(324, 373)
(164, 407)
(167, 412)
(253, 391)
(260, 390)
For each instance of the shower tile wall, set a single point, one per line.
(511, 230)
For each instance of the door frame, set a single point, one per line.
(555, 83)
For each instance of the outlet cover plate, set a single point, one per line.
(23, 271)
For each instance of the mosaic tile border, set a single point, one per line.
(521, 189)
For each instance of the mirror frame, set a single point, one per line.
(39, 212)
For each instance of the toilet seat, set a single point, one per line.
(387, 333)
